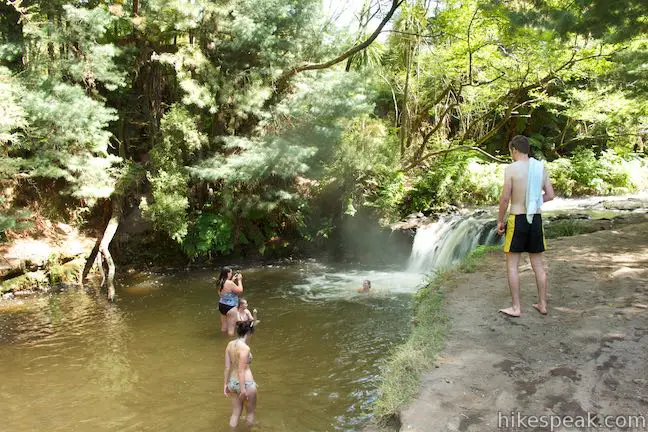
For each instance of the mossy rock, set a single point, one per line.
(31, 281)
(8, 272)
(68, 272)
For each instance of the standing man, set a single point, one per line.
(525, 180)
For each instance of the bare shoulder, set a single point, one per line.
(509, 168)
(516, 164)
(516, 167)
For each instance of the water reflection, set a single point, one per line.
(154, 360)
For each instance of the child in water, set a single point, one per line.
(244, 313)
(366, 286)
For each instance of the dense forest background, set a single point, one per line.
(249, 127)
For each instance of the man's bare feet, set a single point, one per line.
(541, 309)
(510, 312)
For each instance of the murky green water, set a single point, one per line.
(154, 360)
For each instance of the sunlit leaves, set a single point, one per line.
(12, 115)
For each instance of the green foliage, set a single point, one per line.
(192, 104)
(469, 264)
(567, 228)
(58, 129)
(211, 233)
(608, 19)
(67, 138)
(456, 179)
(586, 170)
(14, 220)
(562, 177)
(181, 139)
(459, 179)
(12, 116)
(170, 202)
(585, 174)
(258, 192)
(385, 191)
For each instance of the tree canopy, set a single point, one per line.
(242, 125)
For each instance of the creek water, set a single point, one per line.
(154, 360)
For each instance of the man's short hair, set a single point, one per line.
(520, 143)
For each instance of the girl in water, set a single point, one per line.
(229, 288)
(239, 381)
(366, 286)
(244, 313)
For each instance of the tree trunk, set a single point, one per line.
(100, 269)
(95, 250)
(405, 112)
(10, 22)
(90, 261)
(50, 46)
(108, 235)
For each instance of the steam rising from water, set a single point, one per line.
(441, 244)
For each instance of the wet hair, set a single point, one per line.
(244, 327)
(224, 273)
(520, 143)
(368, 282)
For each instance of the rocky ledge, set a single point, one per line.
(30, 265)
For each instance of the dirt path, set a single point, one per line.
(588, 356)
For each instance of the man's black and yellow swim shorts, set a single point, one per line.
(522, 236)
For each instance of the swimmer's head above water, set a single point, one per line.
(366, 286)
(244, 328)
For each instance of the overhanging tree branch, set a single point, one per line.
(417, 162)
(284, 79)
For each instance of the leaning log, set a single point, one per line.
(108, 235)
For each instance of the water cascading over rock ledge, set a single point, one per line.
(450, 239)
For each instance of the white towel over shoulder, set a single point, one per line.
(534, 188)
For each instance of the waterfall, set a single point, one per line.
(449, 240)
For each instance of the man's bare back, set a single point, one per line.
(518, 172)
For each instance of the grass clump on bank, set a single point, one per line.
(469, 264)
(401, 376)
(568, 228)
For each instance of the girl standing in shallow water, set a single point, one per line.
(239, 381)
(244, 313)
(229, 288)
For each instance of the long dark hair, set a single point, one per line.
(225, 271)
(244, 327)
